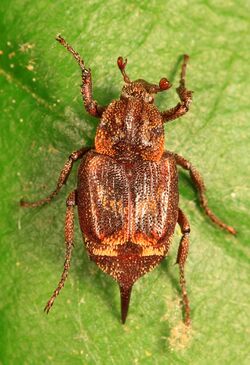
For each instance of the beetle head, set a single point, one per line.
(140, 89)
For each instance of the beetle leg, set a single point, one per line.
(90, 104)
(185, 97)
(200, 186)
(181, 259)
(69, 237)
(76, 155)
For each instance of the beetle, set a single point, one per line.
(127, 190)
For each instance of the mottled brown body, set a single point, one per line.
(127, 190)
(127, 212)
(131, 129)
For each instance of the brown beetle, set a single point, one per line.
(127, 192)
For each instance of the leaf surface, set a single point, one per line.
(43, 121)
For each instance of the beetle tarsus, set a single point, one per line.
(200, 186)
(49, 305)
(76, 55)
(185, 97)
(181, 260)
(63, 177)
(231, 230)
(91, 106)
(69, 236)
(184, 67)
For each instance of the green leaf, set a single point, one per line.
(43, 120)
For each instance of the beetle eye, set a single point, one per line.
(164, 84)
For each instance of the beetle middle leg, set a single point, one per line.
(90, 104)
(181, 259)
(69, 237)
(199, 184)
(76, 155)
(184, 95)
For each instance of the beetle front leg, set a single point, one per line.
(91, 106)
(69, 237)
(181, 259)
(200, 186)
(185, 97)
(76, 155)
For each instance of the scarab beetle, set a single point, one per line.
(127, 191)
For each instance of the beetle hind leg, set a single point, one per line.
(69, 237)
(181, 260)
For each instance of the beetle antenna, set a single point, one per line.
(122, 64)
(125, 292)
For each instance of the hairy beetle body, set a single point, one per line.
(131, 129)
(127, 211)
(127, 191)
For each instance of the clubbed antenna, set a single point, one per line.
(122, 64)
